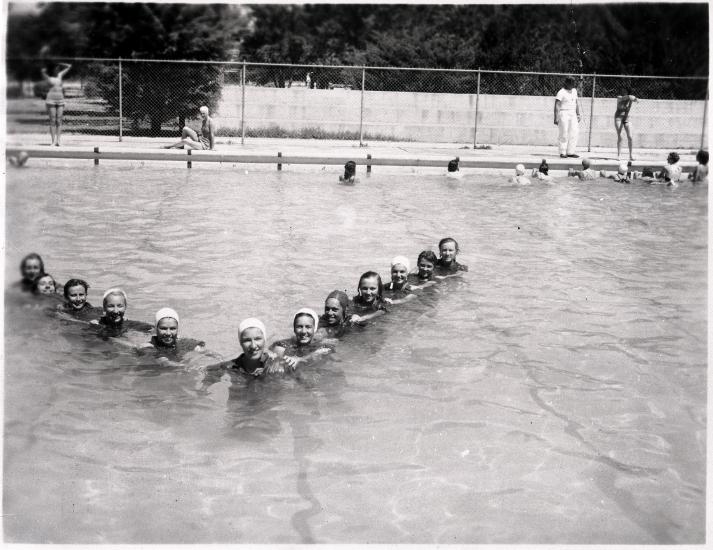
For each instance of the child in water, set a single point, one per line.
(369, 301)
(519, 178)
(349, 173)
(426, 264)
(586, 173)
(398, 290)
(301, 348)
(447, 264)
(542, 172)
(45, 284)
(31, 267)
(76, 305)
(334, 322)
(700, 174)
(622, 175)
(453, 165)
(168, 346)
(112, 322)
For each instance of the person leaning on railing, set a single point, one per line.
(203, 139)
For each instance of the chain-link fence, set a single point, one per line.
(144, 98)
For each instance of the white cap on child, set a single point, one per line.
(310, 312)
(166, 312)
(520, 169)
(623, 168)
(252, 322)
(401, 260)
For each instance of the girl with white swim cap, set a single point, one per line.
(301, 348)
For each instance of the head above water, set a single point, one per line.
(349, 169)
(586, 163)
(519, 171)
(622, 168)
(453, 165)
(166, 313)
(544, 167)
(371, 275)
(673, 157)
(702, 156)
(341, 298)
(112, 292)
(71, 283)
(32, 267)
(249, 323)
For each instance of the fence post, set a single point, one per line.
(361, 110)
(242, 106)
(591, 112)
(121, 104)
(477, 101)
(705, 120)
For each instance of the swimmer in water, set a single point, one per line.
(520, 178)
(700, 174)
(45, 284)
(31, 267)
(586, 173)
(542, 172)
(255, 360)
(453, 165)
(398, 290)
(369, 301)
(301, 348)
(349, 173)
(425, 264)
(622, 175)
(76, 305)
(447, 265)
(112, 322)
(334, 322)
(168, 347)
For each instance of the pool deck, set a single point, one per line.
(333, 152)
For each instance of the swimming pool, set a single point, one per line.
(555, 394)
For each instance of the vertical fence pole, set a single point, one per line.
(591, 112)
(477, 101)
(242, 106)
(361, 110)
(121, 104)
(705, 121)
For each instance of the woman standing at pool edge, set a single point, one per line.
(55, 101)
(621, 120)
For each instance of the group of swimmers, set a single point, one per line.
(314, 335)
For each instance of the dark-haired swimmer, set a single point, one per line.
(349, 176)
(334, 322)
(447, 265)
(369, 301)
(301, 348)
(31, 267)
(44, 284)
(426, 263)
(398, 290)
(112, 322)
(76, 305)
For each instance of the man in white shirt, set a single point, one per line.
(567, 118)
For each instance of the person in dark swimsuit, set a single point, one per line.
(447, 264)
(398, 290)
(192, 140)
(302, 347)
(426, 264)
(112, 323)
(31, 267)
(168, 348)
(76, 304)
(369, 301)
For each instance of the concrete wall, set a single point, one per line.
(502, 119)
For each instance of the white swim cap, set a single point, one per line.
(204, 109)
(623, 168)
(403, 260)
(520, 169)
(115, 291)
(310, 312)
(166, 312)
(252, 323)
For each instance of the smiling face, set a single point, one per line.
(399, 273)
(77, 296)
(425, 268)
(333, 311)
(304, 329)
(45, 285)
(31, 269)
(114, 308)
(369, 289)
(167, 331)
(252, 340)
(448, 252)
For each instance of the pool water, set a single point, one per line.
(554, 394)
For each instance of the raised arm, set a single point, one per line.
(64, 71)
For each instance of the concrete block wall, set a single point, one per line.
(502, 119)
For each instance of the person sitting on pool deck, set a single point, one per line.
(31, 267)
(169, 348)
(205, 139)
(302, 347)
(453, 165)
(398, 290)
(519, 178)
(586, 173)
(333, 323)
(349, 173)
(672, 171)
(369, 301)
(112, 322)
(425, 265)
(700, 174)
(447, 265)
(76, 305)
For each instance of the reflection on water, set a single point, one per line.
(555, 394)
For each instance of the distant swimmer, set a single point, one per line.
(167, 346)
(19, 160)
(334, 322)
(349, 176)
(520, 178)
(542, 172)
(302, 348)
(447, 265)
(203, 139)
(425, 265)
(454, 169)
(398, 290)
(369, 301)
(700, 174)
(76, 304)
(45, 284)
(112, 322)
(586, 173)
(31, 267)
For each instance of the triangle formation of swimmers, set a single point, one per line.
(314, 335)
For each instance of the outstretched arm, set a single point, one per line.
(64, 71)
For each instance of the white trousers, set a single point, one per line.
(569, 132)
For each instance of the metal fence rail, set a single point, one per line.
(155, 98)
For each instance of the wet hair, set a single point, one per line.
(647, 172)
(448, 239)
(36, 286)
(544, 168)
(74, 282)
(369, 275)
(429, 256)
(673, 155)
(702, 156)
(32, 256)
(342, 298)
(349, 169)
(453, 164)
